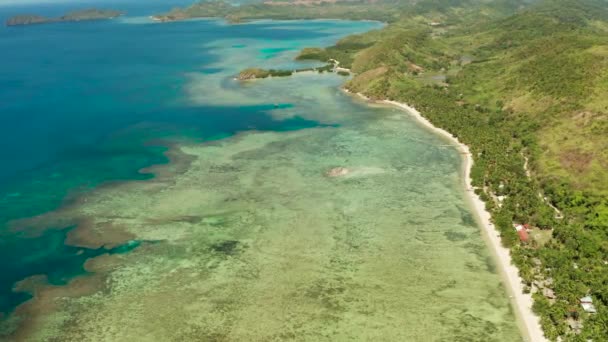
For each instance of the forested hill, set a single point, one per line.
(525, 85)
(382, 10)
(529, 86)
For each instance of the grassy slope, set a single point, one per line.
(551, 68)
(545, 64)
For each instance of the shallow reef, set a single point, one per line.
(355, 229)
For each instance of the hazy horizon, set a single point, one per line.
(81, 3)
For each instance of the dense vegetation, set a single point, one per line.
(530, 87)
(525, 85)
(357, 10)
(256, 73)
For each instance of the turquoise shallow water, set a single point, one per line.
(310, 217)
(82, 104)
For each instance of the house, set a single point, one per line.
(587, 304)
(522, 232)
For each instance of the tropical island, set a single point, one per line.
(80, 15)
(522, 84)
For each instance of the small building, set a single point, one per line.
(587, 304)
(522, 232)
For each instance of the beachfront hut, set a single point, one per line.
(522, 232)
(587, 304)
(523, 235)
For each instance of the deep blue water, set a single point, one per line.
(79, 105)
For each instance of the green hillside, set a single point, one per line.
(357, 10)
(530, 85)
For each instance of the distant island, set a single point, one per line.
(293, 9)
(81, 15)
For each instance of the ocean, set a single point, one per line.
(261, 242)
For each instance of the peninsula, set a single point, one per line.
(80, 15)
(257, 73)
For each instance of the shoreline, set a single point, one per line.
(527, 320)
(160, 18)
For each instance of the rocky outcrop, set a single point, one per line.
(252, 73)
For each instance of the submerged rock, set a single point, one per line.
(337, 172)
(227, 247)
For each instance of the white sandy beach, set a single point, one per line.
(522, 303)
